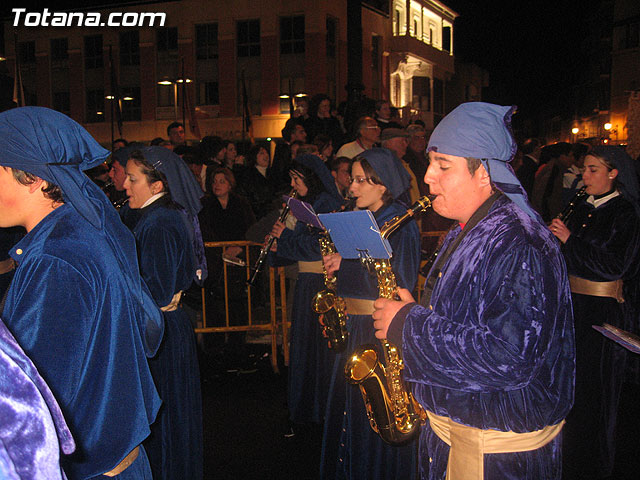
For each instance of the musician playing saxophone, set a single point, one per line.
(489, 352)
(351, 449)
(310, 360)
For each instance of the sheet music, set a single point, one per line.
(356, 234)
(627, 339)
(303, 211)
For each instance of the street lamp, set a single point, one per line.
(575, 130)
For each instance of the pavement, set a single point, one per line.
(245, 420)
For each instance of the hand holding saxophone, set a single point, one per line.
(332, 263)
(386, 309)
(560, 230)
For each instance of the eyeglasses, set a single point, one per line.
(359, 179)
(373, 126)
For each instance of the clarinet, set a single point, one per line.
(570, 209)
(267, 246)
(118, 204)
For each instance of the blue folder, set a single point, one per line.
(356, 234)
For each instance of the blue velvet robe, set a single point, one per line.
(350, 448)
(310, 359)
(168, 264)
(33, 429)
(604, 245)
(496, 350)
(72, 311)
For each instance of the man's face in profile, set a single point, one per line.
(117, 175)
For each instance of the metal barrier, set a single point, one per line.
(278, 323)
(274, 325)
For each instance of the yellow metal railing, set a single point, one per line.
(277, 324)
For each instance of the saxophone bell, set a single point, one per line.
(392, 410)
(397, 421)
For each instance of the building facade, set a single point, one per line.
(207, 54)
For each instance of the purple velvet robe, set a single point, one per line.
(32, 429)
(495, 347)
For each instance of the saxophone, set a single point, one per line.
(393, 412)
(328, 303)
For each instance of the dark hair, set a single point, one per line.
(315, 102)
(529, 146)
(310, 179)
(252, 155)
(473, 164)
(322, 141)
(151, 174)
(374, 179)
(120, 140)
(50, 190)
(174, 125)
(580, 150)
(290, 127)
(560, 148)
(210, 146)
(211, 175)
(335, 163)
(157, 141)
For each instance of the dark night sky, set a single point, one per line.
(530, 48)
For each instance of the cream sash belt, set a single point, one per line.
(173, 304)
(469, 444)
(310, 267)
(359, 306)
(597, 289)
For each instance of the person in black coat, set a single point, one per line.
(259, 185)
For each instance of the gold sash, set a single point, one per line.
(124, 464)
(469, 444)
(310, 267)
(597, 289)
(359, 306)
(173, 305)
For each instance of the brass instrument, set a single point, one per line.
(393, 412)
(257, 267)
(328, 303)
(570, 208)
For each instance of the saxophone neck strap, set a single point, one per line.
(435, 274)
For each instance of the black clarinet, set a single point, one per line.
(570, 209)
(257, 267)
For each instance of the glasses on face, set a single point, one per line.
(359, 179)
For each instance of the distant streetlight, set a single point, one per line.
(607, 126)
(575, 130)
